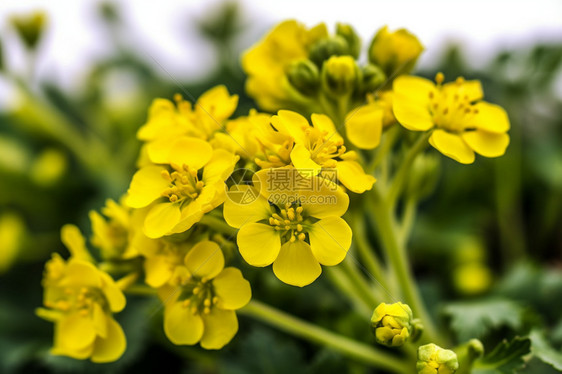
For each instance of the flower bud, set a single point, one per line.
(340, 75)
(353, 41)
(323, 49)
(392, 324)
(30, 27)
(304, 76)
(373, 77)
(433, 359)
(396, 53)
(424, 175)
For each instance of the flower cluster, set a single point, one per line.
(276, 185)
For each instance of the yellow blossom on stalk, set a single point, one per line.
(201, 299)
(296, 230)
(395, 52)
(433, 359)
(179, 194)
(114, 234)
(161, 257)
(266, 63)
(461, 124)
(168, 123)
(319, 147)
(81, 299)
(393, 324)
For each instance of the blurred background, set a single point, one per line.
(76, 80)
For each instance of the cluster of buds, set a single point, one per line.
(393, 324)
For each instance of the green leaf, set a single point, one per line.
(541, 348)
(476, 319)
(508, 357)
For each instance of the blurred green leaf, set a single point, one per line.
(506, 358)
(542, 349)
(477, 318)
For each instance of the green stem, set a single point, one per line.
(405, 166)
(389, 140)
(316, 334)
(218, 224)
(397, 256)
(408, 218)
(340, 280)
(372, 263)
(359, 283)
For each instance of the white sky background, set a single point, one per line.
(162, 28)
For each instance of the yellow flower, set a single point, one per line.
(161, 258)
(395, 52)
(81, 300)
(340, 75)
(114, 235)
(433, 359)
(461, 123)
(299, 231)
(320, 147)
(267, 63)
(181, 197)
(168, 123)
(201, 299)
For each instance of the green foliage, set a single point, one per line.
(506, 358)
(542, 349)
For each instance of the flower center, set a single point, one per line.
(323, 150)
(198, 295)
(451, 109)
(290, 223)
(185, 183)
(80, 299)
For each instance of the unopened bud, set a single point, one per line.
(353, 41)
(30, 27)
(393, 324)
(395, 52)
(323, 49)
(340, 75)
(373, 77)
(304, 76)
(433, 359)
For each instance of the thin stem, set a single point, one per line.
(349, 347)
(389, 140)
(372, 263)
(360, 283)
(408, 218)
(340, 280)
(402, 173)
(397, 256)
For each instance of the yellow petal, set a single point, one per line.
(75, 331)
(259, 244)
(80, 273)
(452, 146)
(363, 126)
(411, 102)
(191, 213)
(99, 320)
(352, 176)
(413, 88)
(323, 123)
(330, 239)
(161, 219)
(217, 103)
(219, 167)
(113, 294)
(220, 328)
(190, 151)
(470, 89)
(158, 271)
(245, 205)
(205, 260)
(79, 354)
(487, 144)
(181, 325)
(490, 117)
(301, 158)
(326, 199)
(112, 347)
(232, 289)
(296, 265)
(291, 123)
(147, 185)
(75, 242)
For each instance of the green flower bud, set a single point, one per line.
(393, 324)
(395, 52)
(433, 359)
(424, 175)
(373, 77)
(340, 75)
(323, 49)
(30, 27)
(304, 76)
(353, 41)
